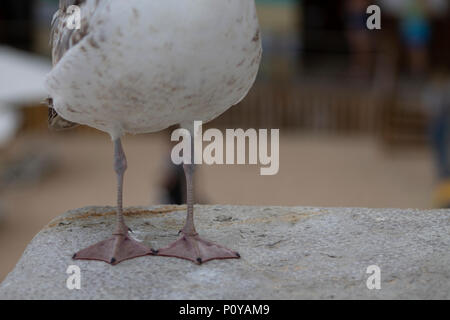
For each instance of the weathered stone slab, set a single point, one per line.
(287, 253)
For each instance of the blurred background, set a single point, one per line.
(363, 117)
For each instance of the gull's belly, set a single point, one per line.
(141, 72)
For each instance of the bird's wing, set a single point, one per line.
(62, 36)
(62, 39)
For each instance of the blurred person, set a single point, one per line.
(416, 35)
(358, 36)
(437, 99)
(173, 184)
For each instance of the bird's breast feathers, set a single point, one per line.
(144, 65)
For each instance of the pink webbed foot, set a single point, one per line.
(195, 249)
(114, 250)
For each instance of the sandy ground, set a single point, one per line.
(314, 171)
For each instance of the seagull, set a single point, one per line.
(141, 66)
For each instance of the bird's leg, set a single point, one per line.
(189, 227)
(190, 246)
(120, 247)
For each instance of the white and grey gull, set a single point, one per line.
(140, 66)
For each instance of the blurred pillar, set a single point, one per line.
(280, 21)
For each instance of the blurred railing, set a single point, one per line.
(306, 107)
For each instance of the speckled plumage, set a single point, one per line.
(140, 66)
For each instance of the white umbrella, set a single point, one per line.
(22, 76)
(21, 82)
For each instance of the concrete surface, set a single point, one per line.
(315, 171)
(287, 253)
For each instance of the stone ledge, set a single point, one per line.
(287, 253)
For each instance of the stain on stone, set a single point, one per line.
(127, 213)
